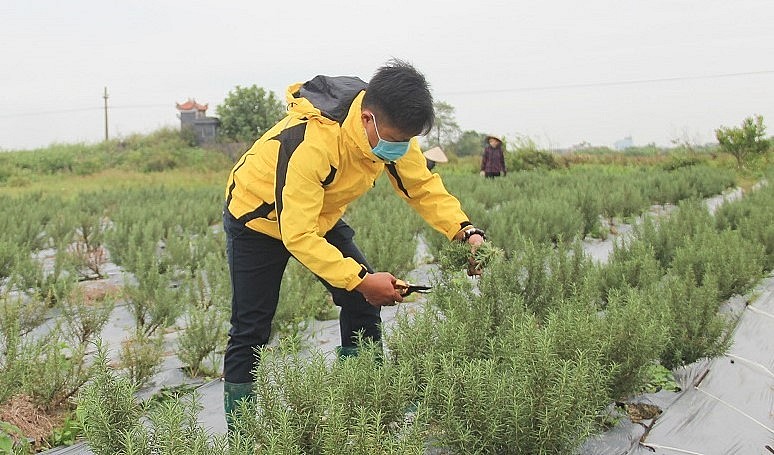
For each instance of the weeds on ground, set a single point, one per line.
(12, 440)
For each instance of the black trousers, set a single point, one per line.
(256, 263)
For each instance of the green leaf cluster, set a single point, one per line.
(745, 141)
(248, 112)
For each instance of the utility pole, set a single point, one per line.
(105, 96)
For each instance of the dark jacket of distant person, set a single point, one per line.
(493, 160)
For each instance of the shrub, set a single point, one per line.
(530, 160)
(633, 335)
(111, 420)
(631, 266)
(312, 410)
(208, 294)
(669, 234)
(141, 356)
(696, 328)
(736, 263)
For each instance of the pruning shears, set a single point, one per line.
(405, 288)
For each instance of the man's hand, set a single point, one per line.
(475, 241)
(379, 289)
(482, 173)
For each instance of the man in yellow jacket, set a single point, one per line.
(286, 196)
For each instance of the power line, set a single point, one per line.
(465, 92)
(83, 109)
(609, 83)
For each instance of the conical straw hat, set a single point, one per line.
(436, 154)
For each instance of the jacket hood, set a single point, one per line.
(327, 96)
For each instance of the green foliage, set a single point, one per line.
(445, 128)
(659, 378)
(677, 161)
(542, 277)
(50, 368)
(15, 350)
(141, 357)
(311, 410)
(84, 318)
(204, 333)
(753, 218)
(111, 420)
(67, 434)
(248, 112)
(154, 300)
(12, 440)
(543, 323)
(632, 266)
(206, 326)
(61, 373)
(666, 236)
(473, 402)
(530, 160)
(688, 182)
(469, 143)
(387, 245)
(635, 330)
(161, 150)
(524, 155)
(173, 429)
(541, 221)
(303, 298)
(745, 141)
(107, 409)
(484, 348)
(697, 330)
(734, 262)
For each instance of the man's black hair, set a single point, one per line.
(401, 94)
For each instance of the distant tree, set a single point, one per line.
(526, 155)
(469, 143)
(248, 112)
(445, 130)
(744, 142)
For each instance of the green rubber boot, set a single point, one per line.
(233, 394)
(343, 352)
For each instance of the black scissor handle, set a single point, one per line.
(405, 288)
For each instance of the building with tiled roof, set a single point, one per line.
(194, 115)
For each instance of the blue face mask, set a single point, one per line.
(386, 150)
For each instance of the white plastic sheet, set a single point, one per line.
(726, 406)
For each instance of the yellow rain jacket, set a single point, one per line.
(296, 181)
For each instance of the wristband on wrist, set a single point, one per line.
(472, 231)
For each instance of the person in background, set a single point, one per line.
(287, 194)
(435, 155)
(493, 160)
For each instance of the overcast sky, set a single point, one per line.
(558, 71)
